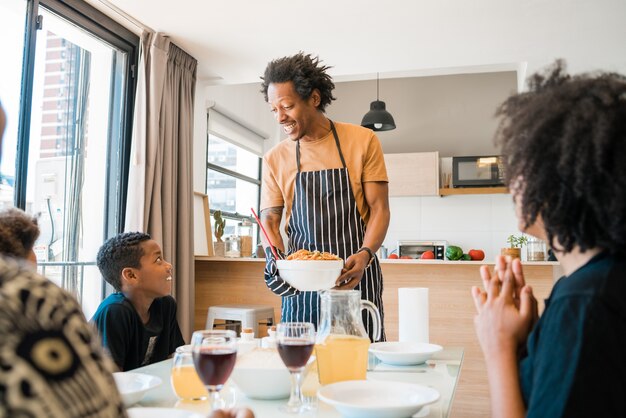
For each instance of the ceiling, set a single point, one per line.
(418, 46)
(233, 40)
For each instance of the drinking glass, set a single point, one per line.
(184, 378)
(214, 355)
(295, 345)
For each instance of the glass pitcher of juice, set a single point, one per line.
(342, 343)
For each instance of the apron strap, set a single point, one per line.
(332, 127)
(298, 155)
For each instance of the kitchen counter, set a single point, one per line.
(221, 280)
(387, 261)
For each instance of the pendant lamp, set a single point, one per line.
(378, 119)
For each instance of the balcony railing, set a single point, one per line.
(69, 275)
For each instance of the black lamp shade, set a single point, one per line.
(378, 119)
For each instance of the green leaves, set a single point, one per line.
(517, 241)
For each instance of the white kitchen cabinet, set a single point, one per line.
(413, 174)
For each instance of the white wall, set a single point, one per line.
(452, 114)
(469, 221)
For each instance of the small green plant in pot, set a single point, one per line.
(516, 242)
(220, 224)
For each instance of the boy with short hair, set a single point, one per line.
(137, 323)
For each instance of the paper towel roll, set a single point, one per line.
(413, 314)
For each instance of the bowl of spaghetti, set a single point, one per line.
(310, 270)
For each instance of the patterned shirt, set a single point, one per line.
(51, 362)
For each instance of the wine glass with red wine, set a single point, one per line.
(295, 345)
(214, 354)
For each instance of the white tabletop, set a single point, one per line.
(441, 373)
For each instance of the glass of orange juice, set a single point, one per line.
(184, 379)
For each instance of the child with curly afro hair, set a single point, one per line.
(564, 144)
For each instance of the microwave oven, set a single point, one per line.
(477, 171)
(415, 249)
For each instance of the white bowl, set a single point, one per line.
(132, 386)
(377, 398)
(310, 275)
(404, 353)
(261, 374)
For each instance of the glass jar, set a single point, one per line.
(184, 379)
(232, 247)
(535, 249)
(244, 230)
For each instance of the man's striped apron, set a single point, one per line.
(325, 217)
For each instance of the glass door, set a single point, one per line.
(67, 87)
(75, 111)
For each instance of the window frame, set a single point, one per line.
(235, 216)
(119, 135)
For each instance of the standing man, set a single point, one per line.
(329, 179)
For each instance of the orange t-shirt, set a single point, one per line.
(361, 150)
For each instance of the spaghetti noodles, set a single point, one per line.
(312, 255)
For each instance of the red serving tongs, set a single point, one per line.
(266, 236)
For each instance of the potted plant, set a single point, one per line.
(515, 246)
(220, 224)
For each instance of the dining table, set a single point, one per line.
(440, 372)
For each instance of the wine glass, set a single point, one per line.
(295, 345)
(214, 355)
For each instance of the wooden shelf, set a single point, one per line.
(472, 190)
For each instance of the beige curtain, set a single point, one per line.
(160, 176)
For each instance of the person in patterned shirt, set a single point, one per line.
(51, 363)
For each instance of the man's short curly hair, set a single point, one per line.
(118, 253)
(18, 232)
(306, 73)
(565, 146)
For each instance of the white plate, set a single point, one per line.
(377, 399)
(404, 353)
(162, 413)
(132, 386)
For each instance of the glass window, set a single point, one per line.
(233, 182)
(232, 157)
(66, 149)
(70, 169)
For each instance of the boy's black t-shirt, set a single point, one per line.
(576, 361)
(131, 343)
